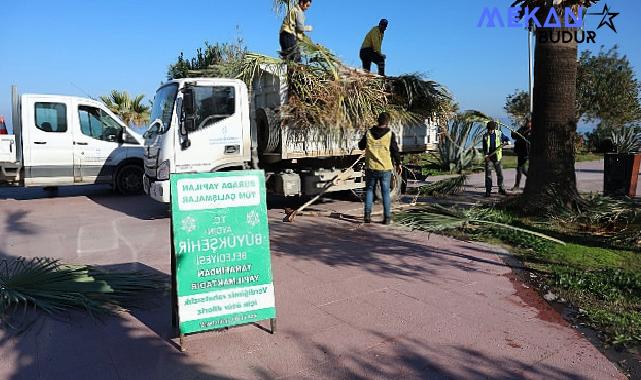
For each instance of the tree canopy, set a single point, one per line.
(131, 111)
(607, 92)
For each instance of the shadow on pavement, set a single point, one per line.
(376, 249)
(408, 358)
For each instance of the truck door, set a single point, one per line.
(96, 144)
(217, 140)
(48, 140)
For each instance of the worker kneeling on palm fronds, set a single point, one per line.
(293, 30)
(372, 46)
(522, 151)
(381, 156)
(493, 142)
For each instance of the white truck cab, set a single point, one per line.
(64, 140)
(214, 136)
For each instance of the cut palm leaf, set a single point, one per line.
(436, 218)
(47, 285)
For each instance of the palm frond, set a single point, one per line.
(47, 285)
(437, 218)
(128, 109)
(448, 186)
(457, 145)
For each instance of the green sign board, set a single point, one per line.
(221, 247)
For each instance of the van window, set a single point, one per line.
(214, 104)
(51, 117)
(97, 124)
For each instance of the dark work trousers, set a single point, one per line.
(521, 169)
(289, 47)
(368, 55)
(488, 174)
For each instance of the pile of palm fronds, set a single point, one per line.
(47, 285)
(438, 218)
(324, 93)
(618, 219)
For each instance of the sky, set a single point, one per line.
(87, 48)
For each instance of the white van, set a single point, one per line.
(63, 140)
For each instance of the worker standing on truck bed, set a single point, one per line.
(381, 156)
(293, 30)
(372, 46)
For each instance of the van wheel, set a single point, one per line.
(129, 180)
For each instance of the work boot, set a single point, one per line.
(367, 219)
(502, 192)
(387, 221)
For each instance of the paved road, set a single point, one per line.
(353, 302)
(589, 178)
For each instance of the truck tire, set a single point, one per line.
(268, 131)
(395, 188)
(129, 179)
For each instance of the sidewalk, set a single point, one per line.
(353, 302)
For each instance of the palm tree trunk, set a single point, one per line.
(552, 154)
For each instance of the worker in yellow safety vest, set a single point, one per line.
(371, 50)
(381, 156)
(493, 142)
(293, 30)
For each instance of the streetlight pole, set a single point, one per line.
(530, 65)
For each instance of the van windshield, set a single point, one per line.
(163, 109)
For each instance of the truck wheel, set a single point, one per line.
(129, 180)
(395, 188)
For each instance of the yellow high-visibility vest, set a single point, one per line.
(374, 40)
(377, 154)
(499, 145)
(289, 23)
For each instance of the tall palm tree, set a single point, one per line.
(131, 111)
(552, 154)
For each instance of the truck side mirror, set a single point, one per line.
(189, 105)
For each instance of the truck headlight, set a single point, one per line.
(163, 171)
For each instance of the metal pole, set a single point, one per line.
(530, 67)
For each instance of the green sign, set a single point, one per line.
(221, 243)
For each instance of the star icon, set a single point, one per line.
(608, 18)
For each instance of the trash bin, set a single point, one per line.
(621, 174)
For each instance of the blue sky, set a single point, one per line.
(82, 48)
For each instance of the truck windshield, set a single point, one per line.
(163, 109)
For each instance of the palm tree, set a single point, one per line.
(131, 111)
(552, 154)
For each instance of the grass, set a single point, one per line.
(430, 166)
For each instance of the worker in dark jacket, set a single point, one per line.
(522, 150)
(381, 157)
(493, 142)
(293, 30)
(371, 50)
